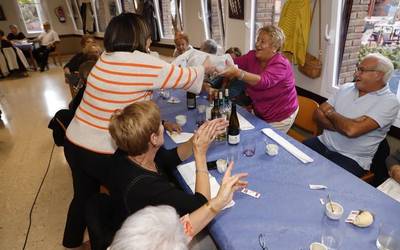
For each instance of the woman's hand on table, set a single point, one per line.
(172, 127)
(230, 183)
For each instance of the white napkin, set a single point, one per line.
(287, 145)
(391, 188)
(244, 123)
(188, 172)
(180, 138)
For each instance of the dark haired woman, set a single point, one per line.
(124, 74)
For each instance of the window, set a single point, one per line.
(32, 15)
(169, 17)
(76, 15)
(213, 20)
(105, 11)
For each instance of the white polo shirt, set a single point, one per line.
(49, 37)
(382, 106)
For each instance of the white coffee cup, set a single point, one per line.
(337, 212)
(318, 246)
(181, 120)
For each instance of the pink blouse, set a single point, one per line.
(274, 96)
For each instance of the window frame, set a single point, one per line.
(71, 14)
(36, 2)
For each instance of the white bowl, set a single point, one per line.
(318, 246)
(337, 212)
(181, 120)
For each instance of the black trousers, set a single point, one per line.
(41, 56)
(89, 171)
(341, 160)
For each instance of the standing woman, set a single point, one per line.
(124, 74)
(269, 79)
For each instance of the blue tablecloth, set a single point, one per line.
(288, 212)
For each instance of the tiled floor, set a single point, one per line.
(25, 152)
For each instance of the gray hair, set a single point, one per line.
(384, 65)
(13, 26)
(209, 46)
(152, 228)
(277, 35)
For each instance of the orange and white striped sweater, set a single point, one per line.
(117, 80)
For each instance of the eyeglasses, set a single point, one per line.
(363, 70)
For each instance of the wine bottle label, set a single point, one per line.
(191, 103)
(233, 139)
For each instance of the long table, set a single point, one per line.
(288, 213)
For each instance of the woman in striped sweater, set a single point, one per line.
(124, 74)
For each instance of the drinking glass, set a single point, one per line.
(388, 237)
(331, 234)
(249, 147)
(200, 115)
(165, 94)
(232, 155)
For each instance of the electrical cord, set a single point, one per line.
(37, 195)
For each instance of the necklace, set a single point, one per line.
(152, 167)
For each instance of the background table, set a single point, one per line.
(288, 212)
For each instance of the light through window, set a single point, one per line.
(32, 15)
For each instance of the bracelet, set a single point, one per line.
(201, 171)
(241, 76)
(330, 111)
(208, 205)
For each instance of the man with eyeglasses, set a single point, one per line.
(356, 119)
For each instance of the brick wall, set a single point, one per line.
(352, 45)
(167, 22)
(265, 12)
(216, 33)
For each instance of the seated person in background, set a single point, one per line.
(79, 89)
(74, 63)
(209, 46)
(91, 52)
(15, 34)
(142, 168)
(48, 40)
(357, 118)
(236, 87)
(4, 43)
(269, 79)
(181, 44)
(393, 165)
(234, 52)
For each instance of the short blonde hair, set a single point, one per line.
(132, 126)
(276, 34)
(180, 35)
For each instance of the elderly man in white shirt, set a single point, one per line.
(48, 40)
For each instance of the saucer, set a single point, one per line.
(173, 100)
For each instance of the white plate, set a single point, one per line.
(173, 100)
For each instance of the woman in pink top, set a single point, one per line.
(269, 79)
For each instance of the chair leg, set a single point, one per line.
(54, 60)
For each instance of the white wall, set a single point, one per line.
(13, 15)
(61, 28)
